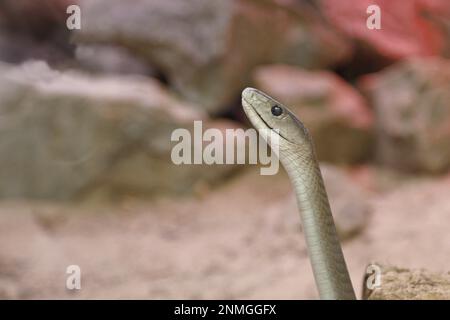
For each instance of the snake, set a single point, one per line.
(295, 150)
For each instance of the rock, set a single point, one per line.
(411, 102)
(17, 48)
(41, 35)
(207, 49)
(144, 175)
(336, 115)
(409, 28)
(65, 135)
(349, 203)
(408, 284)
(379, 179)
(42, 18)
(110, 60)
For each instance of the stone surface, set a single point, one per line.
(349, 203)
(412, 105)
(337, 116)
(110, 60)
(409, 284)
(206, 48)
(65, 134)
(408, 28)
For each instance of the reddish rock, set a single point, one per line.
(334, 112)
(412, 106)
(415, 27)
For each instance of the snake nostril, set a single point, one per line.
(276, 111)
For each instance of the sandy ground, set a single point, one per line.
(234, 242)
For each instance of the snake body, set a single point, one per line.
(296, 153)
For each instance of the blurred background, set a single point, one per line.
(86, 117)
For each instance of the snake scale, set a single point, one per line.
(296, 152)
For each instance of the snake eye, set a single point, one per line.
(276, 111)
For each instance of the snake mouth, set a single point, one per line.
(256, 112)
(253, 109)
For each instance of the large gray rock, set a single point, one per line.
(207, 48)
(64, 135)
(412, 104)
(337, 116)
(407, 284)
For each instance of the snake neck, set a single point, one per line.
(324, 249)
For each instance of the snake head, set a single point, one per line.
(264, 113)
